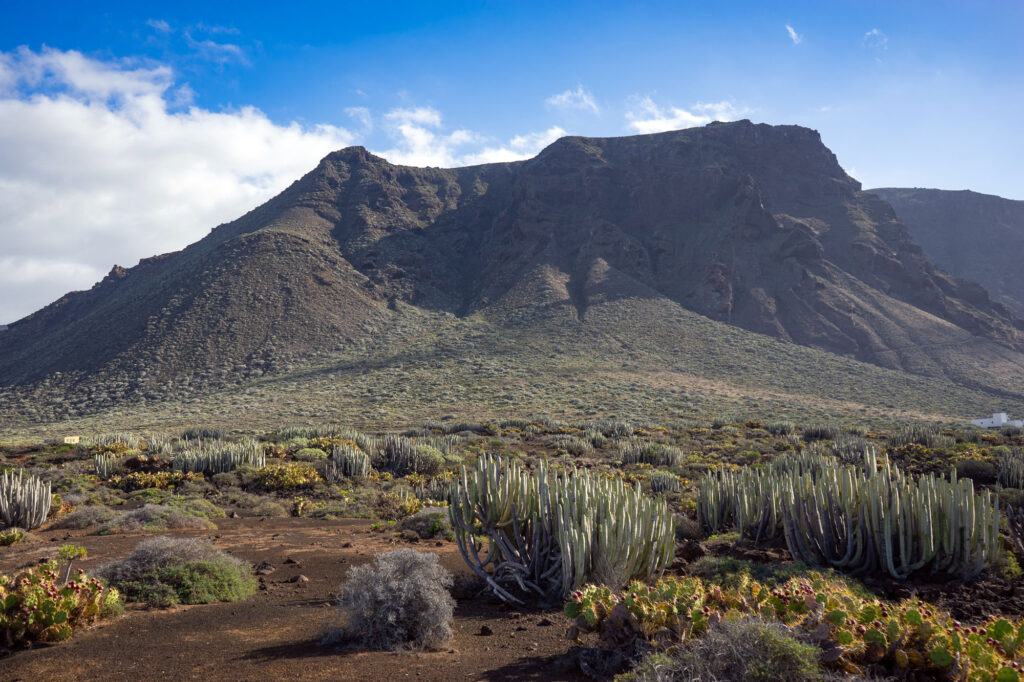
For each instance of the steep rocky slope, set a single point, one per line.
(979, 237)
(750, 225)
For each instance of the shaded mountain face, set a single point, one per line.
(752, 225)
(979, 237)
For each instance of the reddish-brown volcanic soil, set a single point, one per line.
(273, 635)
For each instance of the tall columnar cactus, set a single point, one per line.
(549, 533)
(859, 520)
(106, 465)
(1011, 470)
(346, 462)
(1016, 528)
(217, 457)
(24, 501)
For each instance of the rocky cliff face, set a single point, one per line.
(754, 225)
(979, 237)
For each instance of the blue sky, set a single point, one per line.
(133, 128)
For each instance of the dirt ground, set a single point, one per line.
(273, 635)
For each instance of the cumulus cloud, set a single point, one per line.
(99, 168)
(519, 147)
(579, 99)
(876, 39)
(793, 35)
(645, 116)
(221, 53)
(107, 161)
(419, 139)
(159, 25)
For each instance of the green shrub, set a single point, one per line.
(978, 470)
(11, 536)
(311, 455)
(156, 518)
(430, 522)
(287, 476)
(746, 648)
(164, 571)
(270, 508)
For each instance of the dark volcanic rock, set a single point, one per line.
(753, 225)
(978, 237)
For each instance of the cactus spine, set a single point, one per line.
(24, 502)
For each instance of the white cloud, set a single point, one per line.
(159, 25)
(105, 162)
(574, 99)
(518, 148)
(876, 39)
(645, 116)
(96, 169)
(362, 115)
(793, 35)
(221, 53)
(419, 140)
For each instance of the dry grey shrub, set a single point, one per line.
(399, 601)
(155, 517)
(83, 517)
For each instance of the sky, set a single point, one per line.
(131, 129)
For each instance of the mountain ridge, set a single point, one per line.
(749, 225)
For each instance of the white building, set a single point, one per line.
(996, 420)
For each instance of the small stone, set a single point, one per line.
(291, 561)
(485, 631)
(346, 545)
(300, 579)
(545, 622)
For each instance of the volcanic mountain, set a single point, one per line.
(753, 226)
(975, 236)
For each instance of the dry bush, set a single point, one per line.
(399, 601)
(84, 517)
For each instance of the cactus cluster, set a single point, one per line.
(106, 465)
(548, 533)
(1015, 518)
(346, 461)
(910, 639)
(636, 451)
(24, 501)
(859, 520)
(1011, 470)
(663, 482)
(217, 457)
(35, 605)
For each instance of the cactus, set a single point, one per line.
(856, 520)
(217, 457)
(1011, 470)
(663, 482)
(346, 462)
(635, 451)
(1016, 528)
(24, 502)
(549, 533)
(106, 465)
